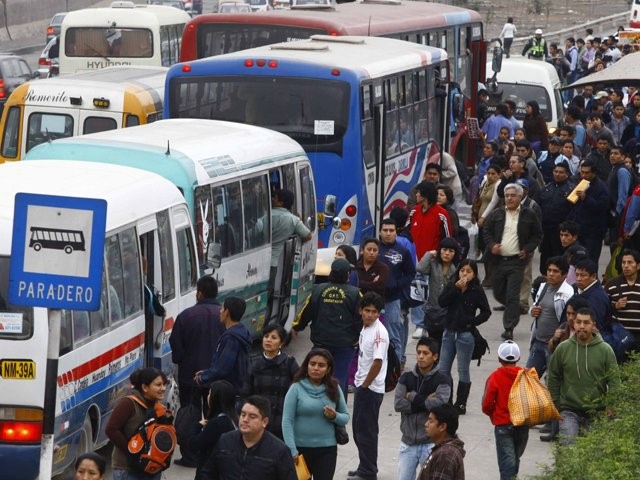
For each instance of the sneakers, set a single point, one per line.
(418, 333)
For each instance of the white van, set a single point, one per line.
(522, 80)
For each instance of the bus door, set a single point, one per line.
(375, 158)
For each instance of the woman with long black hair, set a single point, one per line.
(467, 307)
(535, 127)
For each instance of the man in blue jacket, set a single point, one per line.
(402, 269)
(230, 361)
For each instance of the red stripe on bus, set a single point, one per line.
(104, 359)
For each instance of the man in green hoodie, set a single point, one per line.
(582, 369)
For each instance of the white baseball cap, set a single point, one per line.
(538, 31)
(509, 351)
(601, 94)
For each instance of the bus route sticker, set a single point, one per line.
(323, 127)
(57, 251)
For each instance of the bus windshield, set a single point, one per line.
(109, 42)
(218, 38)
(16, 323)
(286, 104)
(521, 94)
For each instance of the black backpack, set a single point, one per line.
(394, 369)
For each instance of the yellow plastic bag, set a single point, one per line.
(301, 468)
(530, 402)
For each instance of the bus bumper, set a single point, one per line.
(20, 461)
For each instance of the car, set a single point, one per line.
(48, 61)
(14, 71)
(53, 30)
(234, 7)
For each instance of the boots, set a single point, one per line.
(461, 397)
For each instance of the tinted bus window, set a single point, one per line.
(166, 252)
(108, 42)
(98, 124)
(256, 204)
(227, 218)
(10, 137)
(187, 261)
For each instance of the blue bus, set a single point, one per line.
(370, 112)
(226, 173)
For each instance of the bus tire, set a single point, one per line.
(37, 247)
(85, 444)
(68, 249)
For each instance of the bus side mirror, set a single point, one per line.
(330, 205)
(496, 62)
(214, 256)
(458, 107)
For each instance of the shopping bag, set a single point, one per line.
(530, 402)
(473, 242)
(301, 468)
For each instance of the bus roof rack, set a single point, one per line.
(338, 39)
(383, 2)
(303, 46)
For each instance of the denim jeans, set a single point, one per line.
(395, 327)
(510, 444)
(410, 457)
(342, 357)
(570, 426)
(417, 316)
(366, 411)
(539, 356)
(119, 474)
(460, 344)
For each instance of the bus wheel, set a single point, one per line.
(68, 249)
(86, 438)
(37, 247)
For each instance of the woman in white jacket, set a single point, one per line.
(509, 30)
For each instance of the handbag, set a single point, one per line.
(342, 436)
(480, 345)
(435, 317)
(302, 472)
(530, 402)
(418, 290)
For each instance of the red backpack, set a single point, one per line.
(151, 446)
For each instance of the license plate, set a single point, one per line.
(18, 369)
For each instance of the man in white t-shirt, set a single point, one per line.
(369, 380)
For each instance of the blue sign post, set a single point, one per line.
(57, 251)
(57, 256)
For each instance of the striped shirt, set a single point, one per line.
(629, 316)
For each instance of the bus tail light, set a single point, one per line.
(3, 93)
(335, 72)
(44, 62)
(20, 425)
(261, 62)
(351, 210)
(186, 68)
(273, 63)
(345, 224)
(248, 62)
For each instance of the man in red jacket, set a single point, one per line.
(510, 440)
(429, 222)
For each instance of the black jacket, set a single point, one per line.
(333, 313)
(553, 201)
(529, 229)
(462, 307)
(269, 459)
(194, 338)
(592, 212)
(271, 378)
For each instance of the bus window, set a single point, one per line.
(132, 121)
(165, 46)
(43, 127)
(10, 137)
(81, 326)
(166, 254)
(308, 200)
(110, 42)
(116, 280)
(186, 260)
(98, 124)
(256, 211)
(99, 318)
(289, 172)
(66, 338)
(227, 219)
(131, 272)
(16, 323)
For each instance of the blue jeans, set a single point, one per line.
(571, 425)
(342, 357)
(410, 457)
(539, 356)
(395, 326)
(510, 444)
(460, 344)
(417, 316)
(119, 474)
